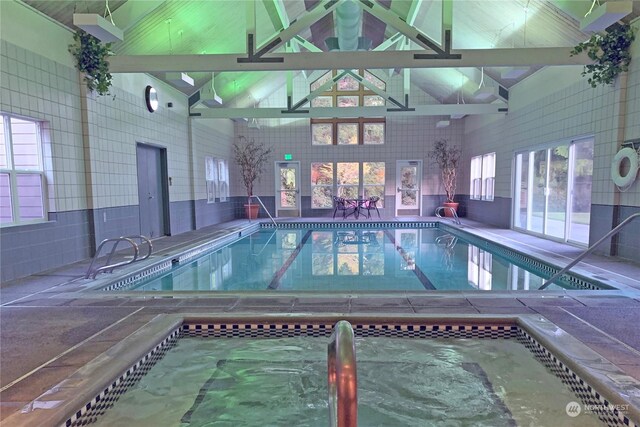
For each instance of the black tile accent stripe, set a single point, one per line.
(349, 225)
(587, 394)
(428, 285)
(275, 281)
(540, 268)
(110, 395)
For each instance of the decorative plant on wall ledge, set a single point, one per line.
(610, 53)
(447, 158)
(91, 59)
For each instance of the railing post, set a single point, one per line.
(342, 377)
(588, 251)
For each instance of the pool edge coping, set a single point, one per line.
(81, 387)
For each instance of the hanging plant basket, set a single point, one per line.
(91, 59)
(610, 53)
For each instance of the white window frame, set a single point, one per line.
(335, 187)
(13, 172)
(482, 177)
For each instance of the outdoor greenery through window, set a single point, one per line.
(348, 93)
(22, 183)
(483, 173)
(351, 180)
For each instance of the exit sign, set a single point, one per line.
(288, 156)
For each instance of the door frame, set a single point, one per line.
(164, 185)
(419, 176)
(297, 212)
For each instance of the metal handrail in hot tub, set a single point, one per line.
(343, 381)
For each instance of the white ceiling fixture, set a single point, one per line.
(513, 72)
(486, 93)
(208, 95)
(98, 27)
(600, 18)
(457, 116)
(443, 124)
(179, 79)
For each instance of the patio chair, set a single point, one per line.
(341, 204)
(371, 203)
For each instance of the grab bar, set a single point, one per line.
(588, 251)
(145, 240)
(456, 219)
(265, 209)
(342, 378)
(107, 266)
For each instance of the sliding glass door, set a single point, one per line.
(553, 191)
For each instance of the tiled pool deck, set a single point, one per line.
(50, 326)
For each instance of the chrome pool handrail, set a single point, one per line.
(342, 377)
(265, 209)
(589, 250)
(454, 214)
(108, 266)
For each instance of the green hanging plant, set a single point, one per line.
(91, 59)
(610, 53)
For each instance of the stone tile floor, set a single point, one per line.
(49, 328)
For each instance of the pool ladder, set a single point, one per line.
(616, 230)
(342, 378)
(454, 214)
(108, 267)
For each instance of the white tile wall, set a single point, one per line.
(39, 88)
(407, 138)
(564, 114)
(210, 138)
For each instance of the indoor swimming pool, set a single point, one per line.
(360, 258)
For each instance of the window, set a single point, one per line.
(352, 180)
(552, 191)
(483, 172)
(321, 185)
(22, 182)
(348, 93)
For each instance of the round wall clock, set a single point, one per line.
(151, 98)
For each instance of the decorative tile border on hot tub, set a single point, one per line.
(89, 413)
(607, 413)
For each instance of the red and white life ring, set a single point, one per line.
(632, 156)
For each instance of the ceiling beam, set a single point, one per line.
(347, 112)
(277, 14)
(318, 12)
(132, 12)
(346, 60)
(390, 18)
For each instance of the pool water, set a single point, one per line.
(401, 382)
(349, 260)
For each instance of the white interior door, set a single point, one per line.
(408, 183)
(287, 189)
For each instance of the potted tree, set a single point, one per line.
(251, 156)
(447, 158)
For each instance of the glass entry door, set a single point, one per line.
(287, 189)
(408, 181)
(553, 191)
